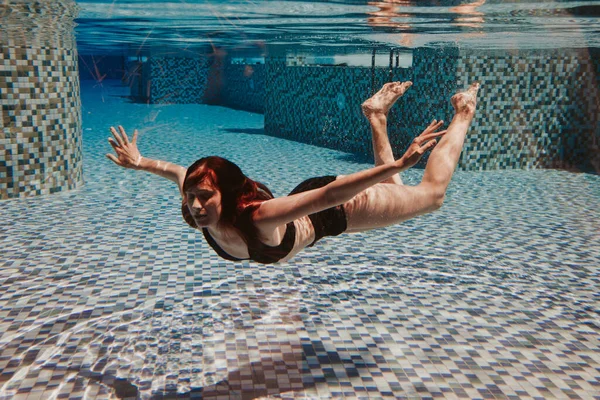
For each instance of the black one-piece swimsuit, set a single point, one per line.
(329, 222)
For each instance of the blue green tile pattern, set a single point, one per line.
(537, 109)
(321, 105)
(244, 87)
(107, 293)
(178, 80)
(40, 109)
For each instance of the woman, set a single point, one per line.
(242, 220)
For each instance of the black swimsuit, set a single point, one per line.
(330, 222)
(259, 252)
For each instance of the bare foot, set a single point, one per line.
(382, 101)
(465, 102)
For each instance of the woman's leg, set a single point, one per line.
(383, 205)
(376, 109)
(444, 157)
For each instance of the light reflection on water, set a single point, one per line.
(188, 25)
(190, 337)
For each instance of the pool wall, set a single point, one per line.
(244, 87)
(536, 108)
(178, 80)
(321, 105)
(40, 144)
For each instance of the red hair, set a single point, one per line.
(240, 195)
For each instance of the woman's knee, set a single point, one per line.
(439, 201)
(434, 195)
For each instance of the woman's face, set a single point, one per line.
(204, 203)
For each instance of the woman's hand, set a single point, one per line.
(421, 144)
(128, 155)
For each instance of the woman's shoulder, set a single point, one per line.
(251, 208)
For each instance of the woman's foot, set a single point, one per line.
(465, 102)
(382, 101)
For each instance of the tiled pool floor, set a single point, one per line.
(107, 293)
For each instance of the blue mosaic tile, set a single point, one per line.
(537, 109)
(178, 80)
(108, 293)
(40, 109)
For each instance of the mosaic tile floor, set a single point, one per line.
(106, 293)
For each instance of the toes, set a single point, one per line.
(473, 88)
(405, 86)
(401, 87)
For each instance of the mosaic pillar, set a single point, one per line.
(40, 143)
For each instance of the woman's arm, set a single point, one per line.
(282, 210)
(172, 172)
(128, 156)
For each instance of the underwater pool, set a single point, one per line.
(107, 293)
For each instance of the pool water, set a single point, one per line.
(108, 294)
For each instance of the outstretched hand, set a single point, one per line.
(128, 155)
(422, 144)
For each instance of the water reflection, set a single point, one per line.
(189, 26)
(387, 11)
(469, 16)
(52, 26)
(398, 15)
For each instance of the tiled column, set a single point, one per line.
(40, 143)
(536, 109)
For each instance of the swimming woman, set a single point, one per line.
(242, 220)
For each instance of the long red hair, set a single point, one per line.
(240, 195)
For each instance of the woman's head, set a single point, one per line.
(216, 192)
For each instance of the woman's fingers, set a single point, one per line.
(123, 134)
(430, 145)
(435, 124)
(114, 144)
(434, 135)
(135, 134)
(113, 159)
(425, 137)
(117, 136)
(429, 127)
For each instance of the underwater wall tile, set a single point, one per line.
(321, 105)
(243, 87)
(177, 80)
(543, 104)
(536, 108)
(40, 145)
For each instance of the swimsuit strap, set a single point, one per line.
(222, 253)
(259, 251)
(266, 254)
